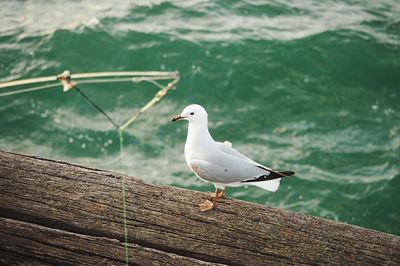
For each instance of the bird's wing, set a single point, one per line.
(226, 147)
(232, 166)
(237, 171)
(224, 168)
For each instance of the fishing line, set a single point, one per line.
(124, 213)
(121, 147)
(161, 93)
(96, 106)
(123, 189)
(65, 79)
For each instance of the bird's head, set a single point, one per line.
(193, 113)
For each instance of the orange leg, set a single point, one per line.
(215, 198)
(220, 194)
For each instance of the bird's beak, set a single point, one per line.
(176, 118)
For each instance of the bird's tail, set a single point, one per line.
(270, 185)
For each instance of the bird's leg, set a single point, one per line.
(212, 194)
(207, 205)
(215, 198)
(220, 195)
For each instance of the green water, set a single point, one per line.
(312, 87)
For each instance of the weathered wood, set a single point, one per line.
(32, 243)
(54, 212)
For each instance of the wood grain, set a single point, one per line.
(54, 212)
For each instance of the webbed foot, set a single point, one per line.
(206, 206)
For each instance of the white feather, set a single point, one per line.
(270, 185)
(218, 162)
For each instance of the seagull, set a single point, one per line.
(218, 162)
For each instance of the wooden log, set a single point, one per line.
(54, 212)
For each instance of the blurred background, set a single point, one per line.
(309, 86)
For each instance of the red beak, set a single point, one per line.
(176, 118)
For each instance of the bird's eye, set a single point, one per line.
(191, 113)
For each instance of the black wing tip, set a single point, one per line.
(271, 176)
(287, 173)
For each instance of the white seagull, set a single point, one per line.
(218, 162)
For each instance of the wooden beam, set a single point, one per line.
(54, 212)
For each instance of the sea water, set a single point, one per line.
(310, 86)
